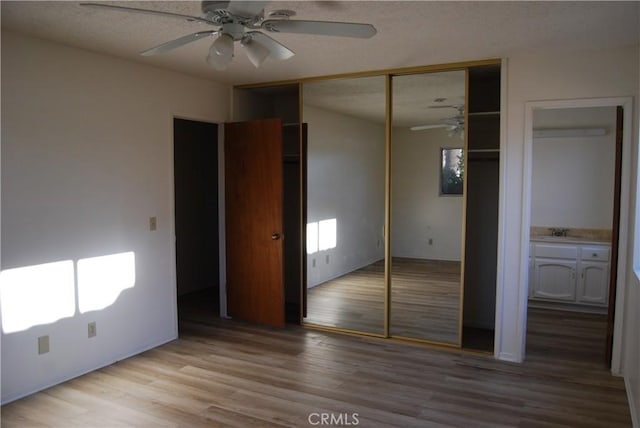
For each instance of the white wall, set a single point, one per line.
(631, 333)
(573, 177)
(557, 75)
(345, 181)
(87, 145)
(631, 348)
(419, 212)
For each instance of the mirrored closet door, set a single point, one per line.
(423, 147)
(345, 210)
(427, 205)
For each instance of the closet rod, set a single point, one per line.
(483, 150)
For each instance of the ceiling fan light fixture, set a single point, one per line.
(256, 52)
(223, 45)
(221, 52)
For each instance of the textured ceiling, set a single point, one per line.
(409, 33)
(418, 99)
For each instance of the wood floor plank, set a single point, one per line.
(222, 373)
(425, 300)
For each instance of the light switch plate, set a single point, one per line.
(43, 344)
(91, 329)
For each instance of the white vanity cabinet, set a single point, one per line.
(572, 273)
(555, 272)
(593, 284)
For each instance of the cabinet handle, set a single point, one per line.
(594, 255)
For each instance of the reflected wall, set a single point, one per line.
(345, 203)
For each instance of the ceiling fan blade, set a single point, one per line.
(166, 47)
(149, 12)
(454, 121)
(424, 127)
(246, 9)
(322, 28)
(277, 50)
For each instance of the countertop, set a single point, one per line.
(567, 240)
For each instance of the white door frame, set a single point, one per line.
(625, 197)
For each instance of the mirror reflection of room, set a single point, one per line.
(345, 203)
(427, 175)
(433, 188)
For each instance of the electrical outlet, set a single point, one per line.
(91, 329)
(430, 241)
(43, 345)
(153, 223)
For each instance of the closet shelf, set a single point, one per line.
(484, 113)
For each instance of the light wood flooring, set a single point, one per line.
(572, 336)
(425, 300)
(226, 373)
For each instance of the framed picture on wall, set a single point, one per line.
(451, 171)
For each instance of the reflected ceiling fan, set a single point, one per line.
(454, 124)
(244, 22)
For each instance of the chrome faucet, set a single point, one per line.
(558, 231)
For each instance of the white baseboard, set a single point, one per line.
(69, 376)
(507, 356)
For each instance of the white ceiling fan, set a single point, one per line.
(244, 22)
(454, 124)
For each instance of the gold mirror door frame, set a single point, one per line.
(346, 188)
(368, 172)
(428, 144)
(383, 292)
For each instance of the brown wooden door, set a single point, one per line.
(253, 217)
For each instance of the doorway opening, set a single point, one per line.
(195, 149)
(572, 229)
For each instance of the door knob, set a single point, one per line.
(275, 236)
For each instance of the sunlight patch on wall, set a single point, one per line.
(312, 237)
(327, 230)
(35, 295)
(321, 235)
(43, 294)
(102, 279)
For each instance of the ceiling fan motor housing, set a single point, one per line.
(233, 29)
(245, 13)
(214, 6)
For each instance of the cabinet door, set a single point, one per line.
(594, 283)
(555, 279)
